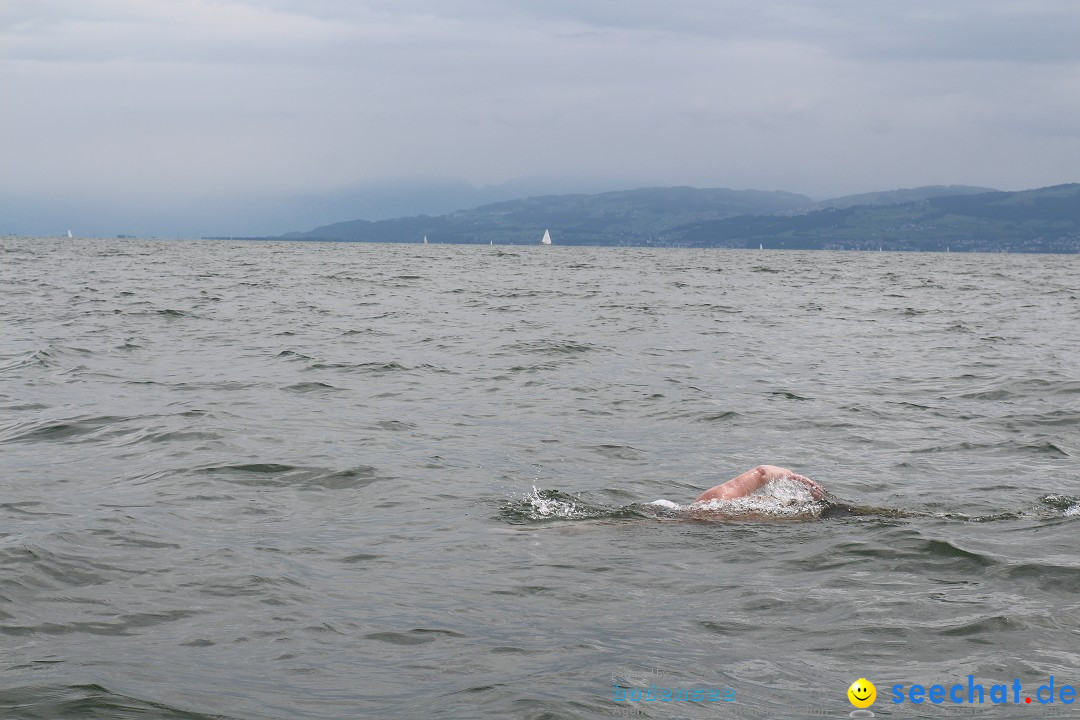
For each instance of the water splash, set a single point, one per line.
(779, 498)
(787, 492)
(1067, 504)
(547, 505)
(551, 504)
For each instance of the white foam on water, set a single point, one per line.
(543, 507)
(1070, 507)
(786, 490)
(666, 504)
(781, 498)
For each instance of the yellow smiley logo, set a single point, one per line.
(862, 693)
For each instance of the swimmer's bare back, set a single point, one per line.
(753, 480)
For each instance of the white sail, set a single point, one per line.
(69, 234)
(546, 240)
(425, 240)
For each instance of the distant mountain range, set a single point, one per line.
(1043, 220)
(239, 213)
(625, 217)
(952, 217)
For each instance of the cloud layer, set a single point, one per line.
(159, 99)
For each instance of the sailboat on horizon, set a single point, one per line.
(546, 240)
(69, 234)
(425, 240)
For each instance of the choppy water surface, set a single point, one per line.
(333, 481)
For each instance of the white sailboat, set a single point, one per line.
(425, 240)
(546, 240)
(69, 234)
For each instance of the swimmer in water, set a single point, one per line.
(753, 480)
(724, 501)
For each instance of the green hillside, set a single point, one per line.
(629, 217)
(1044, 220)
(941, 217)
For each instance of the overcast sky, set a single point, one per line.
(185, 97)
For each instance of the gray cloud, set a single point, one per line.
(158, 100)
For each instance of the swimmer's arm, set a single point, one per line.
(740, 486)
(753, 480)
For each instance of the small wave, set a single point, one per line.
(395, 425)
(516, 294)
(292, 355)
(541, 367)
(369, 367)
(949, 552)
(310, 478)
(787, 395)
(416, 636)
(722, 416)
(41, 568)
(713, 308)
(307, 387)
(131, 624)
(41, 358)
(617, 452)
(552, 347)
(1010, 447)
(93, 701)
(366, 331)
(1006, 390)
(53, 430)
(47, 357)
(1053, 418)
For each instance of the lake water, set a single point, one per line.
(292, 480)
